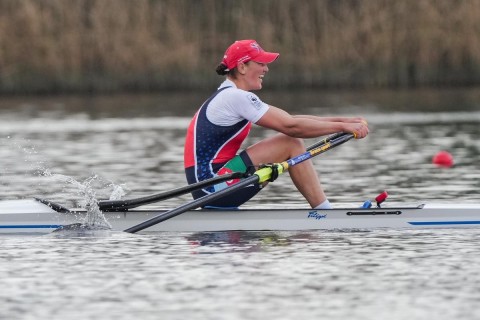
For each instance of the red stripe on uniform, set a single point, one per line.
(231, 147)
(189, 150)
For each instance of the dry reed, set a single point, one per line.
(111, 45)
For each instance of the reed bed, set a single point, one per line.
(49, 46)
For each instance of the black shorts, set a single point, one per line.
(232, 201)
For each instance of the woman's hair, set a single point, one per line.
(223, 70)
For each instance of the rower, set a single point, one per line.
(223, 122)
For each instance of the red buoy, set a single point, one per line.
(443, 159)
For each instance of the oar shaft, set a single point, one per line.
(193, 204)
(332, 141)
(314, 150)
(327, 139)
(121, 205)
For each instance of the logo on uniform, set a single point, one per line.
(255, 101)
(226, 170)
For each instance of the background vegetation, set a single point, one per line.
(52, 46)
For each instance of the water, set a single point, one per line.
(136, 142)
(282, 275)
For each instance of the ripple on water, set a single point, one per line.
(358, 274)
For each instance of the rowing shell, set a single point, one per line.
(31, 216)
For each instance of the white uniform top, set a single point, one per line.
(233, 105)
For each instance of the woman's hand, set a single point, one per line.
(359, 129)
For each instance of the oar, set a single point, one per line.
(327, 139)
(122, 205)
(261, 175)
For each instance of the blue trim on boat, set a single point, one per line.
(31, 226)
(437, 223)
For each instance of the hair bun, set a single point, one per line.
(222, 69)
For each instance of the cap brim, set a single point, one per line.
(266, 57)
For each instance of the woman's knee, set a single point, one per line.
(277, 148)
(294, 144)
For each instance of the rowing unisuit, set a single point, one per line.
(217, 131)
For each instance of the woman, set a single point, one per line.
(223, 122)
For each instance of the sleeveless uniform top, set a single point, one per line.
(218, 129)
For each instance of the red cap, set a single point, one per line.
(247, 50)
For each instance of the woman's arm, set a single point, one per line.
(311, 126)
(333, 119)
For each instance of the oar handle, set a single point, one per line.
(329, 143)
(327, 139)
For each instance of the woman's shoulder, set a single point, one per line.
(239, 96)
(232, 93)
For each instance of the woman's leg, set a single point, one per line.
(282, 147)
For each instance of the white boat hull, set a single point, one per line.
(33, 217)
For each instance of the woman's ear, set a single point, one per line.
(242, 68)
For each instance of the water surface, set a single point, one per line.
(241, 275)
(136, 142)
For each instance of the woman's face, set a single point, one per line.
(253, 73)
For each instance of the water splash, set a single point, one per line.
(118, 191)
(30, 164)
(19, 156)
(94, 217)
(80, 230)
